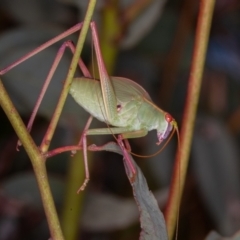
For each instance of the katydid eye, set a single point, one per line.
(168, 117)
(119, 107)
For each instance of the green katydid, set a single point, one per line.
(119, 102)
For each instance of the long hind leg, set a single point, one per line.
(67, 44)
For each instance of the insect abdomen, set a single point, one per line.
(87, 93)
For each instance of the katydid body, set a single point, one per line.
(136, 114)
(121, 103)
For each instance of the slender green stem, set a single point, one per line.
(38, 162)
(109, 33)
(73, 202)
(82, 36)
(108, 38)
(181, 163)
(37, 159)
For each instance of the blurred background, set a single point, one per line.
(151, 43)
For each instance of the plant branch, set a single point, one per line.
(38, 162)
(182, 157)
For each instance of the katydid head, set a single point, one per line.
(171, 126)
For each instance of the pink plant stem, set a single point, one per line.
(182, 157)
